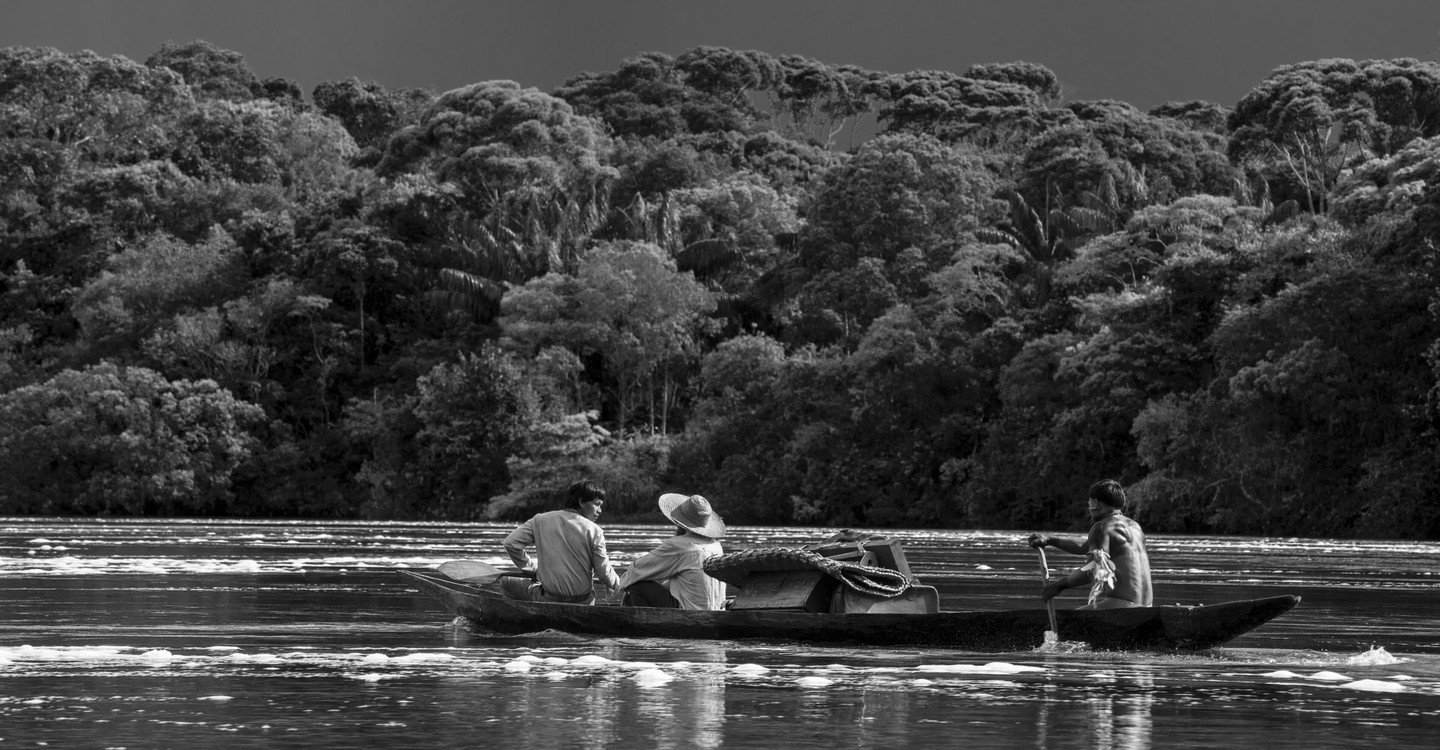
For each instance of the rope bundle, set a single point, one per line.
(733, 568)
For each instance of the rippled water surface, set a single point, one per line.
(214, 634)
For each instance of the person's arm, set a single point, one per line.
(653, 565)
(1099, 539)
(600, 561)
(1060, 543)
(516, 542)
(1077, 577)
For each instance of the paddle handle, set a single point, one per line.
(1049, 605)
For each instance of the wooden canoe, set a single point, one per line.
(1146, 628)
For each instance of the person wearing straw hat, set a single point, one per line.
(673, 574)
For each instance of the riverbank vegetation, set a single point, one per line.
(814, 293)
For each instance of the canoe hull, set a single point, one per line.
(1146, 628)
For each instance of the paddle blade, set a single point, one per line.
(470, 571)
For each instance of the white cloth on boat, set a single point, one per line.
(678, 564)
(1102, 574)
(569, 548)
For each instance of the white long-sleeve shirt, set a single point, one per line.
(678, 564)
(570, 549)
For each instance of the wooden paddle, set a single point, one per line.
(476, 572)
(1053, 634)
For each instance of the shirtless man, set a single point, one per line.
(1114, 539)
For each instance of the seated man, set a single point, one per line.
(570, 548)
(1118, 568)
(673, 574)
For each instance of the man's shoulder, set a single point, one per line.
(1123, 526)
(554, 518)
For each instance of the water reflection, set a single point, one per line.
(1116, 711)
(689, 714)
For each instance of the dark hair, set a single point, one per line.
(1108, 491)
(583, 491)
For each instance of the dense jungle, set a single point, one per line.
(814, 293)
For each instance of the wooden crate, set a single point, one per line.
(798, 590)
(881, 553)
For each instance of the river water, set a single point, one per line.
(185, 634)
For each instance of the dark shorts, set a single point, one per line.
(649, 594)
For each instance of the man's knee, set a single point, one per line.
(516, 587)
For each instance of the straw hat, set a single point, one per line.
(692, 513)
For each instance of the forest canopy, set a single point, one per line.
(814, 293)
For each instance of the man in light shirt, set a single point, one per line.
(673, 575)
(569, 547)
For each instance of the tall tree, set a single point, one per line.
(1306, 122)
(628, 305)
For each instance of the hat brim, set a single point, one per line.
(714, 528)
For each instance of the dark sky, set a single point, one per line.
(1145, 52)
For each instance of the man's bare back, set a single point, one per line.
(1122, 542)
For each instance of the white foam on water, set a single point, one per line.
(375, 658)
(591, 660)
(750, 669)
(62, 653)
(243, 658)
(921, 682)
(216, 698)
(994, 667)
(518, 666)
(425, 658)
(1283, 674)
(814, 682)
(652, 677)
(158, 655)
(527, 657)
(1375, 686)
(1328, 676)
(555, 675)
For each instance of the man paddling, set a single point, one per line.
(1117, 566)
(569, 547)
